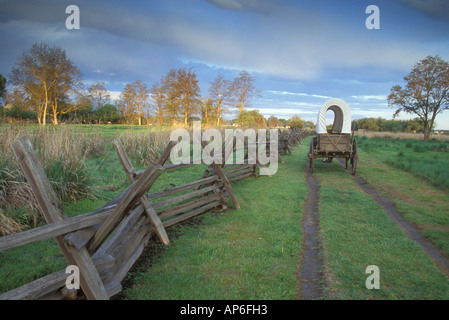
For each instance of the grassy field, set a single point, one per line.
(421, 199)
(357, 233)
(251, 253)
(428, 160)
(254, 252)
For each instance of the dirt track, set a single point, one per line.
(311, 261)
(310, 277)
(441, 260)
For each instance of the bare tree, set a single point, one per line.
(135, 100)
(171, 89)
(190, 93)
(45, 72)
(158, 98)
(98, 95)
(426, 92)
(207, 109)
(242, 90)
(181, 94)
(219, 92)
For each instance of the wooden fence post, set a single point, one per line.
(219, 170)
(130, 172)
(49, 203)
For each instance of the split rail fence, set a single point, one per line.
(104, 244)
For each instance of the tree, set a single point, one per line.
(60, 101)
(190, 93)
(251, 118)
(135, 99)
(98, 95)
(181, 94)
(369, 124)
(426, 92)
(273, 122)
(310, 125)
(393, 126)
(158, 102)
(207, 110)
(218, 93)
(415, 125)
(296, 122)
(45, 73)
(242, 90)
(172, 91)
(107, 113)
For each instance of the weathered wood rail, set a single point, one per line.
(106, 243)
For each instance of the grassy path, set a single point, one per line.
(357, 233)
(257, 252)
(251, 253)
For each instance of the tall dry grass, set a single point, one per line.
(145, 148)
(62, 152)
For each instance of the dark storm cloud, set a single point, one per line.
(438, 9)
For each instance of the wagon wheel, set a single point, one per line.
(311, 160)
(354, 157)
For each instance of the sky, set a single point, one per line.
(301, 53)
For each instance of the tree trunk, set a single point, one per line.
(160, 119)
(44, 113)
(428, 129)
(55, 114)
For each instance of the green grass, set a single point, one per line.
(419, 201)
(251, 253)
(29, 262)
(428, 160)
(357, 233)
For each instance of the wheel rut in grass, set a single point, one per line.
(311, 262)
(440, 259)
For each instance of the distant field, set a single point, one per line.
(426, 159)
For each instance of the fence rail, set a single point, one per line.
(106, 243)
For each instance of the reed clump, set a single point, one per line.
(62, 152)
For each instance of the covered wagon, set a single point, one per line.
(338, 141)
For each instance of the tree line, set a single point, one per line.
(415, 125)
(45, 84)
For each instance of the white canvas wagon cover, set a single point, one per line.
(342, 116)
